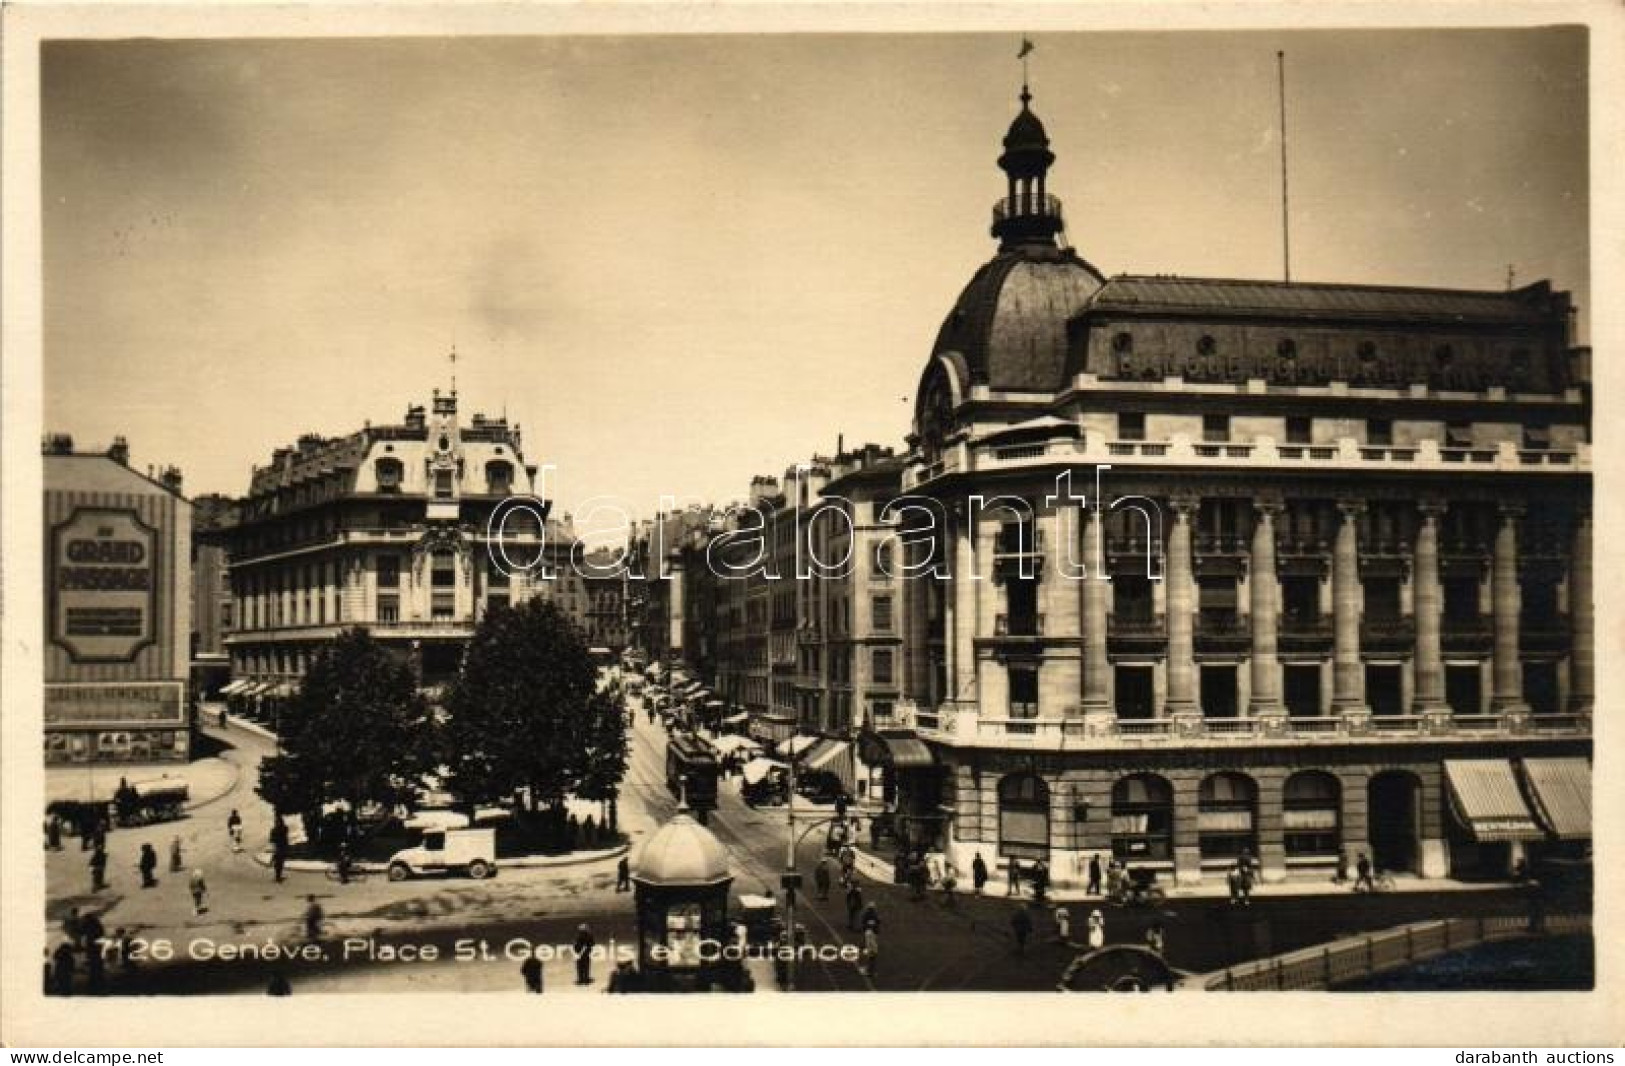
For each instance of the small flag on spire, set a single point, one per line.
(1026, 49)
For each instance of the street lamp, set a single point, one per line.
(792, 877)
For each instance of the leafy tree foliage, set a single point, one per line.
(358, 731)
(526, 714)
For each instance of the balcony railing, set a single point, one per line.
(1132, 626)
(1018, 625)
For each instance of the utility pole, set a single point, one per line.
(792, 877)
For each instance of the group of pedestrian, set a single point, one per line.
(1241, 878)
(1037, 876)
(85, 935)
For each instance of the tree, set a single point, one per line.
(526, 714)
(358, 731)
(606, 752)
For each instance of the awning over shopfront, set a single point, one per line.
(793, 747)
(1561, 790)
(771, 730)
(727, 745)
(236, 687)
(757, 769)
(899, 751)
(1487, 802)
(736, 719)
(833, 757)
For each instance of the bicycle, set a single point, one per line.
(356, 873)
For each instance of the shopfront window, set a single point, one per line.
(1024, 817)
(1143, 818)
(1311, 814)
(1227, 816)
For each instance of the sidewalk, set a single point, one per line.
(880, 869)
(206, 779)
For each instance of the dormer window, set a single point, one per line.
(499, 477)
(388, 472)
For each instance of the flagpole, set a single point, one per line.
(1286, 228)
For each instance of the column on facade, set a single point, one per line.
(1060, 601)
(1265, 607)
(1348, 672)
(1181, 700)
(966, 587)
(1504, 604)
(1427, 607)
(1582, 621)
(1097, 704)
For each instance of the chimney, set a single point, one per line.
(171, 479)
(58, 444)
(119, 452)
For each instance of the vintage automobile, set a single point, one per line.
(146, 802)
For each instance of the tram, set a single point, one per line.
(691, 773)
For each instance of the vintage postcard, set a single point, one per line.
(518, 517)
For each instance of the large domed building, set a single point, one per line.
(1348, 540)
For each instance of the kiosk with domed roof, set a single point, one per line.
(681, 880)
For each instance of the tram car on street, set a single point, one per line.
(691, 773)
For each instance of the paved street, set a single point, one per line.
(925, 945)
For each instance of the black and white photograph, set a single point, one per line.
(1023, 505)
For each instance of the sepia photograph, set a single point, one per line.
(1010, 507)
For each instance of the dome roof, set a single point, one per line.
(682, 852)
(1010, 322)
(1026, 132)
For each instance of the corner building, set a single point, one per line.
(1367, 624)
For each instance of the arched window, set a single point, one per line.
(1227, 816)
(1142, 818)
(1024, 817)
(388, 472)
(1311, 814)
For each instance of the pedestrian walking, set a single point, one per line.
(623, 875)
(870, 918)
(1154, 938)
(177, 861)
(98, 869)
(1246, 883)
(854, 905)
(978, 873)
(53, 833)
(1063, 924)
(1097, 930)
(950, 881)
(1094, 874)
(279, 861)
(313, 919)
(849, 863)
(147, 865)
(583, 949)
(1040, 879)
(1012, 887)
(344, 863)
(531, 971)
(1021, 927)
(1362, 874)
(200, 893)
(821, 877)
(62, 969)
(1233, 882)
(279, 831)
(234, 829)
(871, 952)
(917, 878)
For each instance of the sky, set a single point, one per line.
(681, 261)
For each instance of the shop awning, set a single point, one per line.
(833, 757)
(234, 687)
(757, 769)
(795, 746)
(1486, 800)
(1561, 790)
(898, 751)
(736, 719)
(255, 688)
(727, 745)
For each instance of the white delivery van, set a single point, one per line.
(470, 851)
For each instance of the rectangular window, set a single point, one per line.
(1215, 428)
(882, 666)
(1540, 687)
(389, 608)
(1464, 689)
(1382, 599)
(1458, 435)
(1460, 599)
(1379, 431)
(1135, 693)
(389, 571)
(1131, 426)
(1023, 691)
(1132, 599)
(443, 606)
(1219, 691)
(1384, 693)
(1300, 600)
(443, 571)
(442, 484)
(1216, 599)
(1300, 430)
(1302, 690)
(881, 609)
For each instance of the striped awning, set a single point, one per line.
(1487, 802)
(834, 757)
(234, 687)
(1561, 791)
(896, 750)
